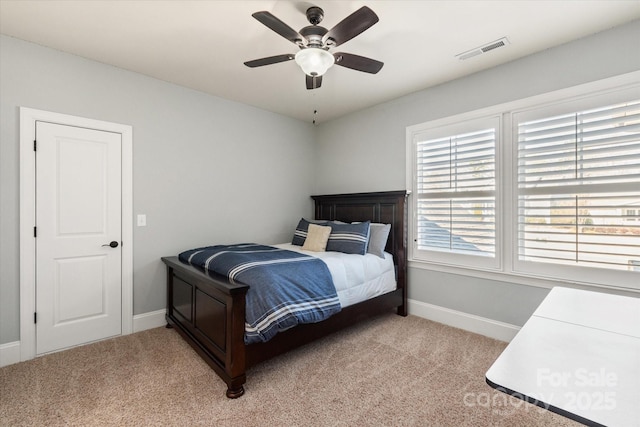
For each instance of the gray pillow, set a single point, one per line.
(378, 235)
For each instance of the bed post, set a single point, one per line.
(236, 354)
(400, 251)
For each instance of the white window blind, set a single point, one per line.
(578, 179)
(456, 186)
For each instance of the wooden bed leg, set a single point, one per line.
(235, 393)
(169, 325)
(402, 310)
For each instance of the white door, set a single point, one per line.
(78, 216)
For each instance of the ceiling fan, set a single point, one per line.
(315, 41)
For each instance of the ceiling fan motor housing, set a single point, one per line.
(313, 34)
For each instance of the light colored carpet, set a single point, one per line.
(390, 371)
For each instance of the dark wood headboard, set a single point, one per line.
(387, 207)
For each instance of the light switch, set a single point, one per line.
(142, 220)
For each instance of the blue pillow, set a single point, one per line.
(349, 238)
(300, 235)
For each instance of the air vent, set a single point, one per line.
(483, 49)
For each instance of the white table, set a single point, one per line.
(579, 356)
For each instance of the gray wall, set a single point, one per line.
(204, 169)
(365, 151)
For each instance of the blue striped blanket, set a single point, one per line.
(286, 287)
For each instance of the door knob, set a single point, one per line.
(113, 244)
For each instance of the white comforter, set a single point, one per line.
(356, 277)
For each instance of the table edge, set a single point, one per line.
(543, 405)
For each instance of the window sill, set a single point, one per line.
(518, 278)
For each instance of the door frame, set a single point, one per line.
(28, 119)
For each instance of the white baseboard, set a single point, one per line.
(9, 353)
(469, 322)
(150, 320)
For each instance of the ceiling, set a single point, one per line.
(203, 44)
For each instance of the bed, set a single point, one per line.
(208, 310)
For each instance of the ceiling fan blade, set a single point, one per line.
(351, 26)
(358, 63)
(313, 82)
(269, 60)
(279, 27)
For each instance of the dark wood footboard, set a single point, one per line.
(209, 311)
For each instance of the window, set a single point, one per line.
(455, 182)
(577, 173)
(543, 189)
(632, 214)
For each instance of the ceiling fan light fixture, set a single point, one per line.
(314, 61)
